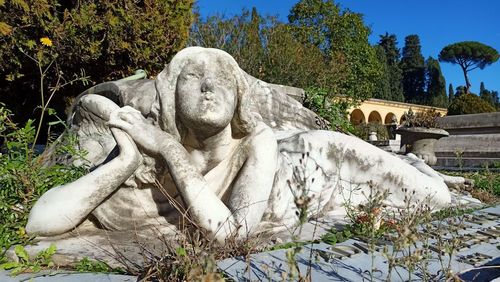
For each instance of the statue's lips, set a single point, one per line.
(209, 103)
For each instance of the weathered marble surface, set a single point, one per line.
(207, 142)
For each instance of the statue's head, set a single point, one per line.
(203, 88)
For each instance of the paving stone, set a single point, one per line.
(63, 276)
(478, 235)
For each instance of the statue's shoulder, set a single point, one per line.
(261, 137)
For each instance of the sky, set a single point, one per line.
(437, 22)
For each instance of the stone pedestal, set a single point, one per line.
(421, 141)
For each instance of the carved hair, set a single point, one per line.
(163, 109)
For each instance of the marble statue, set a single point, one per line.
(205, 140)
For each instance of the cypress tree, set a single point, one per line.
(451, 93)
(383, 87)
(394, 73)
(436, 85)
(413, 68)
(489, 96)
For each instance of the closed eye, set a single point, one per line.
(191, 75)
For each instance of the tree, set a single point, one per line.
(268, 50)
(459, 91)
(383, 86)
(451, 93)
(343, 37)
(436, 84)
(469, 55)
(413, 67)
(489, 96)
(469, 104)
(495, 99)
(392, 54)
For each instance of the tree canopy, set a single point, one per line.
(413, 67)
(106, 39)
(343, 38)
(469, 104)
(436, 84)
(389, 43)
(469, 55)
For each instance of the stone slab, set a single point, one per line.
(352, 260)
(65, 276)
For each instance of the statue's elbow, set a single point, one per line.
(42, 221)
(41, 227)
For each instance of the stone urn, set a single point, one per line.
(421, 141)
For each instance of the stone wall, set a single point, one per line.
(474, 141)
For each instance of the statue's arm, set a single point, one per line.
(252, 187)
(251, 190)
(62, 208)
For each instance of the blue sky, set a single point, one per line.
(437, 23)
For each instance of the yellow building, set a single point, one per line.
(386, 112)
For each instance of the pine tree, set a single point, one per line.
(436, 84)
(392, 54)
(469, 55)
(413, 68)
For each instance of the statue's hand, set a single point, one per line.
(145, 134)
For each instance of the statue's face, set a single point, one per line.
(205, 94)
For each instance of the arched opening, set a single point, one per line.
(391, 118)
(402, 119)
(374, 117)
(357, 117)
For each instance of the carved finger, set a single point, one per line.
(125, 143)
(130, 117)
(121, 124)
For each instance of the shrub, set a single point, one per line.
(469, 104)
(24, 177)
(108, 39)
(426, 119)
(334, 111)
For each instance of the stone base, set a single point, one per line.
(128, 250)
(132, 250)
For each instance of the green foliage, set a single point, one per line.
(26, 264)
(267, 49)
(394, 72)
(413, 68)
(469, 55)
(451, 93)
(383, 86)
(426, 119)
(459, 91)
(343, 37)
(469, 104)
(334, 54)
(332, 110)
(24, 177)
(436, 84)
(489, 96)
(89, 265)
(486, 184)
(108, 39)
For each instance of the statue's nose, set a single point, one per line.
(207, 85)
